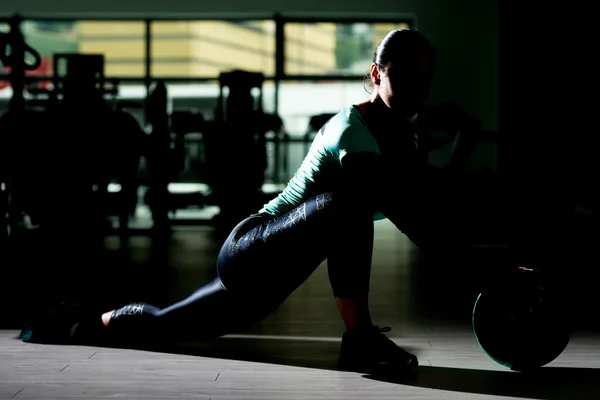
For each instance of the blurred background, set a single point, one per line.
(142, 118)
(311, 67)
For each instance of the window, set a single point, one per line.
(194, 49)
(299, 101)
(333, 48)
(121, 42)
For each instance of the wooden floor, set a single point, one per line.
(289, 355)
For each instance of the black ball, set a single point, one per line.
(522, 324)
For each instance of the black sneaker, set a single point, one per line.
(54, 327)
(371, 352)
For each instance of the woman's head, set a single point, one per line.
(402, 70)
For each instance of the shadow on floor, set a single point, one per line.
(546, 384)
(294, 353)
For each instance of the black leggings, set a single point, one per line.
(261, 263)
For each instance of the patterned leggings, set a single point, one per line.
(264, 260)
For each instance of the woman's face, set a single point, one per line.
(404, 86)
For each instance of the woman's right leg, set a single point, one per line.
(261, 263)
(263, 260)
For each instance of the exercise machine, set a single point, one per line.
(14, 53)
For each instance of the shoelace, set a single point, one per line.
(383, 339)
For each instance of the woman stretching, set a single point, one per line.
(365, 164)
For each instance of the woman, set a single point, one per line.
(365, 164)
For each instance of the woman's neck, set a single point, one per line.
(377, 115)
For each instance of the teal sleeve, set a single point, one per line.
(343, 136)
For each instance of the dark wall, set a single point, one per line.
(548, 75)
